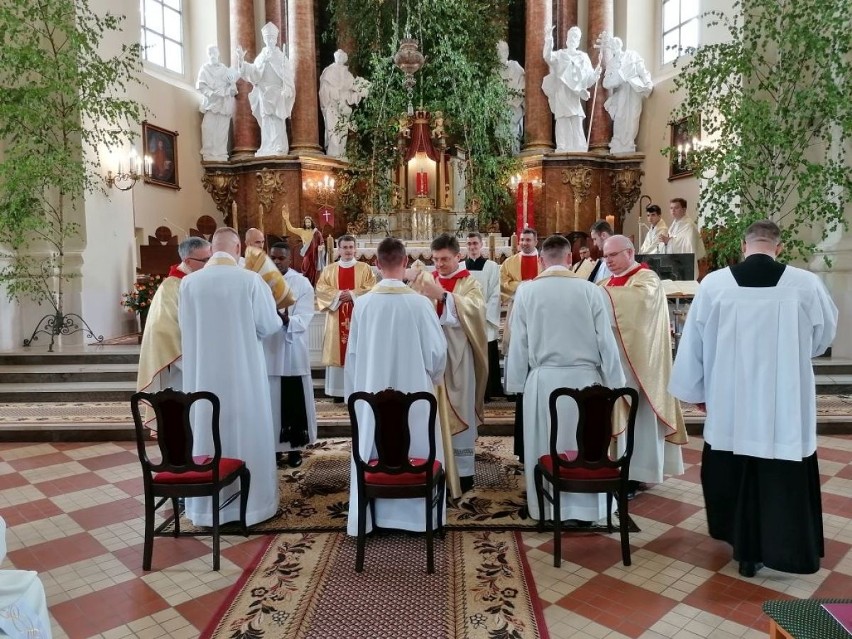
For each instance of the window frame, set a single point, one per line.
(677, 28)
(144, 27)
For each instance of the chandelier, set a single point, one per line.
(408, 59)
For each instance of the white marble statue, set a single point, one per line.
(513, 75)
(274, 91)
(339, 91)
(628, 83)
(567, 87)
(218, 86)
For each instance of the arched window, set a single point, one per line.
(162, 33)
(680, 27)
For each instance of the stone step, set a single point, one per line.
(61, 373)
(50, 392)
(115, 355)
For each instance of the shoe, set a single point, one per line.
(294, 459)
(750, 568)
(280, 460)
(337, 400)
(466, 483)
(631, 494)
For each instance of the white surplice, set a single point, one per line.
(489, 280)
(686, 238)
(395, 341)
(741, 343)
(561, 337)
(287, 354)
(652, 244)
(224, 313)
(23, 605)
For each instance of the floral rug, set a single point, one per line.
(304, 586)
(315, 496)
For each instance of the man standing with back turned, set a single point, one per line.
(745, 358)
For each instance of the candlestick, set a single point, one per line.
(598, 207)
(234, 222)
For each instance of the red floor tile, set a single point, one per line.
(834, 454)
(692, 474)
(836, 504)
(734, 599)
(692, 547)
(82, 481)
(108, 608)
(39, 461)
(690, 455)
(246, 553)
(200, 611)
(168, 552)
(845, 472)
(627, 609)
(58, 552)
(106, 514)
(109, 461)
(132, 487)
(668, 511)
(12, 480)
(591, 550)
(835, 585)
(30, 511)
(835, 551)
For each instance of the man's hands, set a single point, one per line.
(431, 289)
(345, 296)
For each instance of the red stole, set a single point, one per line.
(448, 284)
(174, 271)
(345, 282)
(529, 267)
(621, 280)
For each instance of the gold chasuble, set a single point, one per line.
(642, 329)
(258, 261)
(329, 285)
(516, 269)
(161, 338)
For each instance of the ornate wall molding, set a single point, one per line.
(626, 189)
(222, 187)
(580, 180)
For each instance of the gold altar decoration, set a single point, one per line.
(580, 180)
(626, 188)
(222, 187)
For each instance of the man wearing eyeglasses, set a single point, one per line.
(656, 228)
(159, 356)
(641, 323)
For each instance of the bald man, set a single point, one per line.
(224, 313)
(640, 318)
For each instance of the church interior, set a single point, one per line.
(71, 491)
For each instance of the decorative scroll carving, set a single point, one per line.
(269, 183)
(626, 188)
(222, 187)
(580, 180)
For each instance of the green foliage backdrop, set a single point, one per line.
(459, 78)
(776, 100)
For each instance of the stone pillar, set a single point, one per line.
(246, 129)
(538, 120)
(601, 18)
(272, 11)
(304, 123)
(566, 17)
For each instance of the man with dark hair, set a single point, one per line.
(683, 235)
(600, 232)
(487, 273)
(461, 310)
(396, 341)
(339, 284)
(288, 365)
(521, 266)
(656, 227)
(560, 337)
(745, 359)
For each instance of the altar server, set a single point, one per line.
(288, 364)
(395, 341)
(224, 313)
(560, 337)
(640, 319)
(487, 273)
(745, 358)
(338, 286)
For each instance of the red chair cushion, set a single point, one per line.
(402, 479)
(227, 466)
(577, 473)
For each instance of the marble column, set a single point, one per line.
(246, 129)
(601, 18)
(304, 123)
(538, 120)
(566, 17)
(272, 11)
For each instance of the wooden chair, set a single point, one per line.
(178, 473)
(393, 474)
(589, 469)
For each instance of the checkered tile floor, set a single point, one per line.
(74, 513)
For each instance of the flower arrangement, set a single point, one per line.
(143, 292)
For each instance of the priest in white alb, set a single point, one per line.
(225, 312)
(652, 244)
(487, 273)
(560, 337)
(683, 235)
(395, 341)
(745, 358)
(640, 319)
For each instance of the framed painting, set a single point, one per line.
(159, 148)
(685, 136)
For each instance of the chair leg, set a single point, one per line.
(539, 493)
(557, 527)
(148, 548)
(442, 504)
(609, 512)
(362, 531)
(622, 524)
(245, 485)
(176, 509)
(215, 530)
(430, 555)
